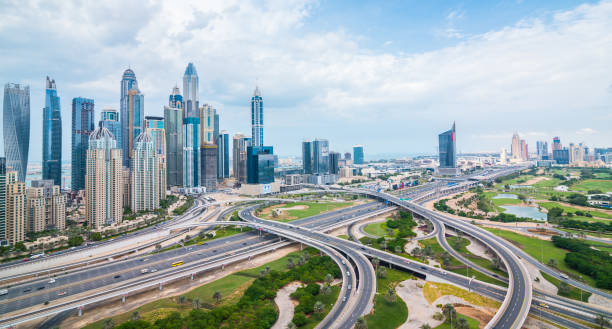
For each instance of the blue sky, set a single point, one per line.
(388, 75)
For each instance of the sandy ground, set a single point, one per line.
(536, 180)
(543, 284)
(298, 207)
(408, 247)
(285, 305)
(477, 248)
(601, 301)
(534, 323)
(174, 289)
(419, 310)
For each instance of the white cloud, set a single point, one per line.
(586, 131)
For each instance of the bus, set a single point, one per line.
(179, 263)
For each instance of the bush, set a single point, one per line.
(76, 240)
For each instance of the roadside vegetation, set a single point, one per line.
(390, 311)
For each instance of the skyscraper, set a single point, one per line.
(207, 124)
(257, 118)
(16, 124)
(358, 154)
(52, 135)
(191, 91)
(83, 125)
(239, 157)
(128, 82)
(524, 150)
(307, 165)
(208, 161)
(145, 174)
(260, 164)
(556, 144)
(3, 236)
(191, 152)
(155, 127)
(320, 156)
(223, 155)
(347, 156)
(173, 124)
(109, 119)
(516, 147)
(334, 159)
(542, 150)
(447, 149)
(135, 122)
(54, 202)
(15, 208)
(104, 180)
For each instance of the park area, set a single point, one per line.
(286, 212)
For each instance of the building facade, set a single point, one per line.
(307, 157)
(15, 208)
(515, 148)
(447, 144)
(542, 150)
(109, 119)
(208, 153)
(155, 127)
(334, 160)
(52, 135)
(524, 150)
(135, 123)
(104, 186)
(173, 125)
(54, 202)
(260, 165)
(223, 158)
(320, 156)
(239, 155)
(358, 157)
(561, 156)
(257, 118)
(16, 127)
(3, 232)
(191, 152)
(556, 144)
(191, 91)
(207, 124)
(145, 174)
(128, 82)
(83, 125)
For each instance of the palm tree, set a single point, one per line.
(290, 263)
(552, 262)
(381, 272)
(375, 262)
(462, 324)
(416, 252)
(291, 325)
(318, 307)
(449, 312)
(398, 249)
(217, 296)
(182, 299)
(425, 326)
(390, 295)
(329, 278)
(135, 316)
(196, 303)
(325, 290)
(361, 323)
(108, 324)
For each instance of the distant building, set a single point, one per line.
(15, 208)
(135, 123)
(145, 175)
(128, 82)
(191, 152)
(16, 124)
(561, 156)
(223, 158)
(52, 135)
(260, 165)
(239, 156)
(207, 124)
(346, 172)
(447, 152)
(542, 150)
(257, 118)
(3, 181)
(83, 124)
(173, 125)
(320, 156)
(191, 92)
(524, 150)
(208, 153)
(307, 157)
(54, 202)
(556, 145)
(109, 119)
(358, 154)
(347, 156)
(334, 158)
(155, 127)
(516, 147)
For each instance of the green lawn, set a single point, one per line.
(388, 315)
(550, 204)
(378, 229)
(328, 301)
(593, 184)
(539, 249)
(472, 323)
(574, 292)
(313, 208)
(603, 175)
(548, 183)
(343, 236)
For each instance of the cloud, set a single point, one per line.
(586, 131)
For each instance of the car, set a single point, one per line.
(61, 293)
(423, 267)
(144, 271)
(443, 272)
(51, 281)
(495, 275)
(244, 243)
(153, 270)
(348, 273)
(27, 290)
(117, 276)
(41, 288)
(3, 292)
(544, 305)
(344, 299)
(215, 250)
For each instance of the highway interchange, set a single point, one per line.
(120, 275)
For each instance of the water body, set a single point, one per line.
(528, 212)
(506, 196)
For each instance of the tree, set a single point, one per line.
(182, 299)
(290, 263)
(425, 326)
(428, 251)
(416, 252)
(398, 249)
(325, 290)
(135, 316)
(449, 312)
(381, 272)
(318, 307)
(291, 325)
(495, 263)
(552, 262)
(390, 295)
(217, 296)
(446, 258)
(361, 323)
(375, 262)
(564, 288)
(108, 324)
(602, 321)
(20, 246)
(462, 324)
(329, 278)
(196, 303)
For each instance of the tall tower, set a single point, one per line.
(52, 135)
(448, 152)
(307, 156)
(516, 147)
(190, 91)
(145, 174)
(135, 122)
(207, 124)
(104, 180)
(358, 157)
(223, 155)
(257, 118)
(82, 126)
(239, 157)
(3, 232)
(128, 82)
(109, 119)
(15, 208)
(16, 124)
(173, 124)
(155, 128)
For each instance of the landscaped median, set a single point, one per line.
(286, 212)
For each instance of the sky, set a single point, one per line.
(389, 75)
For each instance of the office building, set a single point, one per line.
(54, 204)
(83, 124)
(257, 118)
(358, 157)
(447, 143)
(524, 150)
(191, 152)
(135, 124)
(223, 146)
(556, 145)
(542, 150)
(126, 175)
(307, 157)
(515, 149)
(35, 209)
(15, 208)
(347, 156)
(16, 128)
(320, 156)
(128, 82)
(239, 156)
(109, 119)
(104, 186)
(260, 164)
(155, 127)
(3, 234)
(334, 159)
(561, 156)
(145, 183)
(173, 125)
(191, 92)
(52, 135)
(207, 124)
(208, 154)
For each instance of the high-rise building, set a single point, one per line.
(503, 156)
(15, 208)
(173, 124)
(109, 119)
(307, 157)
(347, 156)
(128, 82)
(223, 155)
(208, 162)
(239, 155)
(542, 150)
(320, 156)
(35, 209)
(191, 91)
(145, 175)
(358, 154)
(207, 124)
(3, 233)
(556, 144)
(135, 123)
(52, 135)
(447, 143)
(260, 164)
(83, 124)
(524, 151)
(55, 204)
(257, 118)
(561, 156)
(16, 124)
(334, 159)
(104, 186)
(516, 147)
(191, 152)
(155, 127)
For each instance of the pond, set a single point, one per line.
(528, 212)
(506, 196)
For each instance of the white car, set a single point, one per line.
(51, 281)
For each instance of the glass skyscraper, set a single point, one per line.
(358, 154)
(320, 156)
(135, 123)
(260, 164)
(16, 124)
(155, 127)
(128, 82)
(190, 91)
(257, 121)
(307, 157)
(447, 149)
(3, 235)
(52, 135)
(223, 155)
(109, 119)
(83, 124)
(173, 124)
(191, 128)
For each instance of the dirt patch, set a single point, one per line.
(285, 305)
(482, 317)
(536, 180)
(543, 232)
(478, 248)
(419, 310)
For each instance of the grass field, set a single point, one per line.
(539, 249)
(472, 323)
(574, 292)
(388, 315)
(378, 229)
(596, 213)
(593, 184)
(312, 208)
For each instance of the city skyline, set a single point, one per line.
(296, 104)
